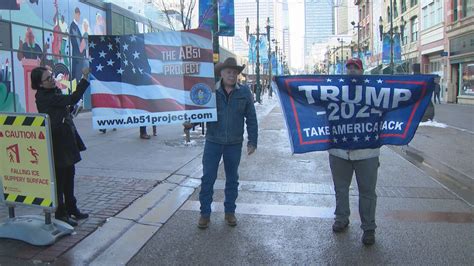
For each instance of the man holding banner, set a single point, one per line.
(352, 116)
(365, 163)
(224, 139)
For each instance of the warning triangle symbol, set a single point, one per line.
(1, 134)
(41, 135)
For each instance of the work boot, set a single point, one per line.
(230, 219)
(145, 136)
(204, 222)
(368, 238)
(339, 226)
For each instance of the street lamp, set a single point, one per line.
(258, 89)
(276, 53)
(358, 35)
(402, 29)
(269, 59)
(390, 14)
(391, 38)
(341, 40)
(247, 27)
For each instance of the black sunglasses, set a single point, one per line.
(49, 78)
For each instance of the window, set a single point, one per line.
(413, 3)
(388, 13)
(404, 36)
(404, 6)
(467, 79)
(432, 16)
(455, 10)
(424, 12)
(439, 11)
(395, 9)
(414, 29)
(467, 8)
(363, 12)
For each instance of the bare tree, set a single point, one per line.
(183, 9)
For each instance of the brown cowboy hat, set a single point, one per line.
(229, 63)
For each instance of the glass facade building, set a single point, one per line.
(319, 24)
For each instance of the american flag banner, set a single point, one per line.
(352, 112)
(152, 79)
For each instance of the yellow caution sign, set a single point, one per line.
(26, 164)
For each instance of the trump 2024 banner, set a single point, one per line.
(352, 112)
(152, 79)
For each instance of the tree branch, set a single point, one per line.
(166, 11)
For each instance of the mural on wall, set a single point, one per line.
(51, 46)
(30, 53)
(4, 13)
(8, 99)
(10, 4)
(30, 13)
(56, 17)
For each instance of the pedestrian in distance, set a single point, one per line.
(224, 138)
(365, 164)
(67, 144)
(144, 134)
(437, 90)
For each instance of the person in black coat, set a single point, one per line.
(67, 144)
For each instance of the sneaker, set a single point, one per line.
(204, 222)
(339, 226)
(230, 219)
(368, 238)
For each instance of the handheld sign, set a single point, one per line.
(352, 112)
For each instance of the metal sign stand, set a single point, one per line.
(37, 230)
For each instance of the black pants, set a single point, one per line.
(436, 96)
(65, 190)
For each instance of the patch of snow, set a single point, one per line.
(431, 123)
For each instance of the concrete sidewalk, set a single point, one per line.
(285, 211)
(117, 168)
(445, 149)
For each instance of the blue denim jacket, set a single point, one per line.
(229, 128)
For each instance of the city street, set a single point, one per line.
(145, 193)
(285, 210)
(346, 77)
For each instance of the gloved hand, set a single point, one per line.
(250, 149)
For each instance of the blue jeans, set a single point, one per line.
(210, 161)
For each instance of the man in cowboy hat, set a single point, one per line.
(224, 138)
(365, 164)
